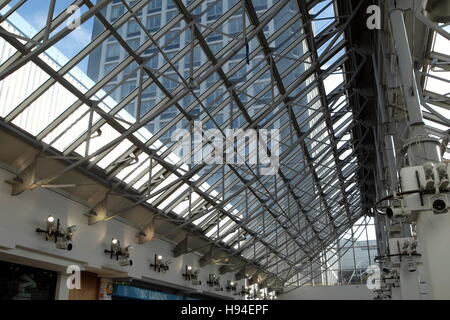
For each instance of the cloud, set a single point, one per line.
(75, 41)
(82, 35)
(39, 19)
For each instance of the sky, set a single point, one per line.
(35, 13)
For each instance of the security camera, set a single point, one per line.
(429, 175)
(439, 204)
(122, 255)
(413, 247)
(63, 243)
(72, 229)
(61, 236)
(196, 282)
(405, 247)
(444, 183)
(231, 286)
(412, 266)
(125, 262)
(394, 212)
(159, 264)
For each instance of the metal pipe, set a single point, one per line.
(405, 63)
(420, 147)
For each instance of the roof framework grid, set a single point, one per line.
(304, 76)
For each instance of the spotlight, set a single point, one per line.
(122, 254)
(231, 286)
(158, 265)
(61, 236)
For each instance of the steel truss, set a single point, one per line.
(285, 222)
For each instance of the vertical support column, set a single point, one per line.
(433, 231)
(433, 237)
(421, 147)
(406, 66)
(396, 294)
(409, 284)
(423, 284)
(62, 291)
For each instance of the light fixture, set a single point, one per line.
(61, 236)
(245, 291)
(159, 265)
(122, 254)
(255, 295)
(214, 282)
(231, 286)
(191, 275)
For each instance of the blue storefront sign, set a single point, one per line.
(130, 292)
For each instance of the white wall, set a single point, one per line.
(433, 239)
(329, 293)
(21, 215)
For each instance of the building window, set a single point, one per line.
(215, 11)
(130, 72)
(197, 58)
(117, 12)
(133, 29)
(154, 23)
(239, 75)
(170, 16)
(259, 4)
(127, 88)
(171, 4)
(109, 68)
(112, 52)
(134, 43)
(235, 27)
(172, 40)
(169, 84)
(153, 63)
(232, 3)
(154, 6)
(149, 92)
(215, 36)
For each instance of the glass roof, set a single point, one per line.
(152, 68)
(436, 74)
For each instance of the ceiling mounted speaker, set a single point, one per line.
(437, 10)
